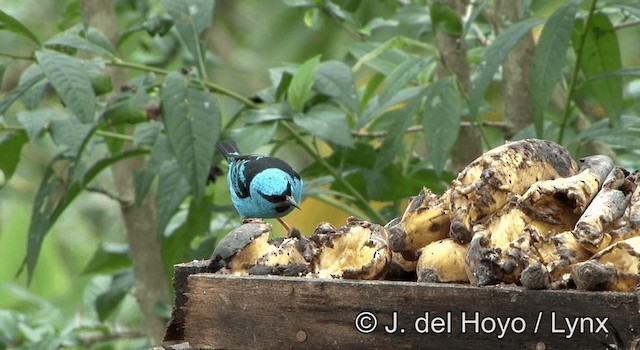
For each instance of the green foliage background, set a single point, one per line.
(362, 96)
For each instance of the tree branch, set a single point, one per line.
(152, 286)
(453, 61)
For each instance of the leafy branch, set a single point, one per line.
(359, 200)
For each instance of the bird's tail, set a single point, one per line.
(228, 148)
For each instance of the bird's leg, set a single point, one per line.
(285, 225)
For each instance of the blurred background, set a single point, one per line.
(78, 297)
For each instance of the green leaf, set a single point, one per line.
(389, 184)
(97, 38)
(192, 122)
(71, 133)
(147, 133)
(302, 82)
(271, 112)
(601, 54)
(71, 81)
(444, 18)
(108, 258)
(30, 78)
(78, 38)
(32, 97)
(3, 69)
(494, 56)
(177, 245)
(374, 108)
(35, 122)
(253, 136)
(44, 213)
(104, 163)
(121, 283)
(627, 135)
(625, 72)
(191, 17)
(383, 58)
(442, 112)
(10, 151)
(53, 196)
(173, 188)
(335, 79)
(160, 153)
(327, 122)
(549, 59)
(393, 145)
(283, 85)
(11, 24)
(400, 77)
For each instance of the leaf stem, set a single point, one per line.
(114, 135)
(215, 88)
(574, 75)
(359, 200)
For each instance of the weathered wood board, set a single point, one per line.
(222, 311)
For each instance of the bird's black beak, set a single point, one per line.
(291, 201)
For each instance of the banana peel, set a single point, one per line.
(615, 268)
(247, 250)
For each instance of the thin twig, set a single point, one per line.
(123, 202)
(419, 128)
(215, 88)
(624, 25)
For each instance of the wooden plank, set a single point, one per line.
(254, 312)
(175, 327)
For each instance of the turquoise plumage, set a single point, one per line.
(260, 186)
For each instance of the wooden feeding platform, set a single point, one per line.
(275, 312)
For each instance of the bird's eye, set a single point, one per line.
(278, 198)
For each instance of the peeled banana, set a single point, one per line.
(615, 268)
(565, 199)
(521, 213)
(424, 221)
(357, 250)
(500, 248)
(442, 261)
(607, 206)
(484, 186)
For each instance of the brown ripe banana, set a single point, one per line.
(357, 250)
(424, 221)
(240, 249)
(550, 260)
(563, 199)
(291, 258)
(484, 186)
(442, 261)
(607, 206)
(629, 224)
(615, 268)
(500, 248)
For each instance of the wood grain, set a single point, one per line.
(256, 312)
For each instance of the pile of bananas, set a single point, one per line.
(523, 213)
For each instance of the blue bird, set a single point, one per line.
(260, 186)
